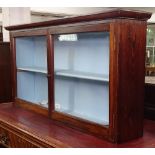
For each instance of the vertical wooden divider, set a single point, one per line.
(50, 63)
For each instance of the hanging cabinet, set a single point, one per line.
(86, 72)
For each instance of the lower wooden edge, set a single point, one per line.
(83, 125)
(124, 140)
(32, 107)
(71, 121)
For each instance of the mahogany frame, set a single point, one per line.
(20, 102)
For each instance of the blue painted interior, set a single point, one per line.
(89, 54)
(83, 98)
(32, 87)
(31, 52)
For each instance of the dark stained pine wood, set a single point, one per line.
(130, 48)
(13, 67)
(112, 14)
(82, 125)
(5, 73)
(87, 27)
(31, 106)
(127, 48)
(50, 60)
(29, 33)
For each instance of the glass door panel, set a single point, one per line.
(81, 64)
(31, 62)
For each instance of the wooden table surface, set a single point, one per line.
(65, 136)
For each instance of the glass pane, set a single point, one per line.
(81, 63)
(31, 62)
(31, 53)
(32, 87)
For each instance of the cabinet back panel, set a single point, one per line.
(84, 99)
(31, 52)
(81, 62)
(90, 53)
(32, 87)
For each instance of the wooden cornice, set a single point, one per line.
(112, 14)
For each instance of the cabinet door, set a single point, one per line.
(81, 68)
(31, 63)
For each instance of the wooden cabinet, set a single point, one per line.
(86, 72)
(5, 72)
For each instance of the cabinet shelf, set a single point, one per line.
(82, 75)
(33, 69)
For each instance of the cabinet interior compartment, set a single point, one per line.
(31, 62)
(83, 99)
(81, 66)
(31, 53)
(32, 87)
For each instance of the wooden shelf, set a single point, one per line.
(82, 75)
(33, 69)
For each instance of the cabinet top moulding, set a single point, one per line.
(106, 15)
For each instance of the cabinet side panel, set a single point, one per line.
(131, 79)
(114, 82)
